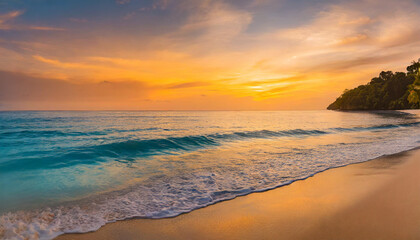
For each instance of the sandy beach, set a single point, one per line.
(377, 199)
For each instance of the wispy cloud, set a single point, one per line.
(46, 93)
(78, 20)
(348, 32)
(6, 23)
(41, 28)
(121, 2)
(6, 18)
(61, 64)
(216, 21)
(187, 85)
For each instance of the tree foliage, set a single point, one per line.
(388, 91)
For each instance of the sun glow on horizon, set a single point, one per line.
(214, 55)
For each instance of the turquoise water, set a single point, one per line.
(75, 171)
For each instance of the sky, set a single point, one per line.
(198, 55)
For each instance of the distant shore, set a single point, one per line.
(377, 199)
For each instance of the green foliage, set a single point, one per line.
(413, 98)
(388, 91)
(414, 90)
(414, 67)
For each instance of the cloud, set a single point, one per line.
(45, 28)
(352, 39)
(37, 93)
(121, 2)
(78, 20)
(60, 64)
(160, 4)
(348, 32)
(331, 26)
(156, 5)
(5, 18)
(215, 21)
(6, 23)
(188, 85)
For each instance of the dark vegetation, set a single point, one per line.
(388, 91)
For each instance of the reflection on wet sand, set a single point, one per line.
(377, 199)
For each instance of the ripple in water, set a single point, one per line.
(75, 171)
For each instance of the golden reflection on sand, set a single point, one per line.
(378, 199)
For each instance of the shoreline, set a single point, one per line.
(131, 228)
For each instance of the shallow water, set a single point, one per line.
(75, 171)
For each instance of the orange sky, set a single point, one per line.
(198, 55)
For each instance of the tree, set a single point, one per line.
(414, 89)
(387, 91)
(414, 67)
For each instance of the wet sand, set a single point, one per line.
(378, 199)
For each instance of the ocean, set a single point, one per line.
(74, 171)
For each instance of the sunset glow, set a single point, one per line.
(198, 55)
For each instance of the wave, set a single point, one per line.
(177, 185)
(135, 149)
(161, 199)
(57, 133)
(131, 150)
(377, 127)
